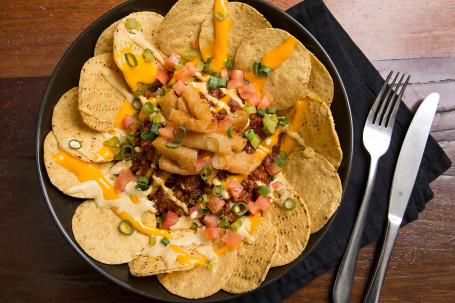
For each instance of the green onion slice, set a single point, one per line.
(136, 103)
(189, 54)
(280, 161)
(290, 203)
(261, 111)
(124, 148)
(148, 135)
(283, 154)
(173, 143)
(74, 144)
(133, 57)
(213, 83)
(221, 82)
(142, 183)
(272, 178)
(249, 134)
(165, 241)
(123, 229)
(149, 108)
(216, 142)
(224, 223)
(205, 176)
(207, 69)
(196, 199)
(138, 130)
(152, 241)
(250, 109)
(148, 55)
(283, 121)
(155, 128)
(200, 65)
(255, 141)
(229, 132)
(256, 67)
(236, 225)
(209, 60)
(228, 63)
(271, 111)
(176, 136)
(132, 23)
(264, 190)
(218, 190)
(264, 71)
(194, 226)
(239, 208)
(204, 211)
(220, 14)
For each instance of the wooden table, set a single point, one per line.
(36, 264)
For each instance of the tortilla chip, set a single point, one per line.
(150, 23)
(96, 231)
(99, 101)
(245, 20)
(182, 24)
(287, 82)
(254, 260)
(200, 281)
(147, 266)
(61, 178)
(320, 84)
(317, 182)
(104, 44)
(293, 227)
(318, 131)
(67, 124)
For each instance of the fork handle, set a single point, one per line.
(345, 277)
(377, 281)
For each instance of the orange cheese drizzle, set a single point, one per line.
(144, 72)
(272, 59)
(127, 108)
(218, 48)
(90, 172)
(300, 111)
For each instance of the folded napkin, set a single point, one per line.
(363, 83)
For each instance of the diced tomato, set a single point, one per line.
(223, 125)
(247, 91)
(210, 221)
(186, 72)
(234, 188)
(255, 100)
(265, 102)
(238, 83)
(253, 207)
(237, 75)
(167, 132)
(273, 168)
(216, 204)
(172, 61)
(224, 74)
(179, 87)
(203, 158)
(162, 76)
(231, 238)
(276, 185)
(263, 202)
(195, 43)
(212, 232)
(195, 209)
(171, 219)
(125, 176)
(127, 120)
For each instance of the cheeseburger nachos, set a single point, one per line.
(203, 144)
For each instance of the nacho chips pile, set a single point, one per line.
(204, 143)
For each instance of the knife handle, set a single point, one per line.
(377, 281)
(345, 276)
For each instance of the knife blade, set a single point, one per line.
(403, 182)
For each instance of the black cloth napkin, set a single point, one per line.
(362, 82)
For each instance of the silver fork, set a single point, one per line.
(376, 139)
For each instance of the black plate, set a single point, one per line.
(66, 76)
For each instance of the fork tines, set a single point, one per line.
(386, 118)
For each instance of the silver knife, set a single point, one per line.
(403, 181)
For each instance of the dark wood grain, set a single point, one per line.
(36, 263)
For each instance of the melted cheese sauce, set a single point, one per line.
(144, 72)
(127, 108)
(300, 111)
(265, 148)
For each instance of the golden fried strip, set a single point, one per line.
(181, 118)
(226, 145)
(185, 156)
(198, 107)
(168, 102)
(239, 119)
(237, 163)
(181, 104)
(173, 167)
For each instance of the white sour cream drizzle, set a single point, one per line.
(244, 230)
